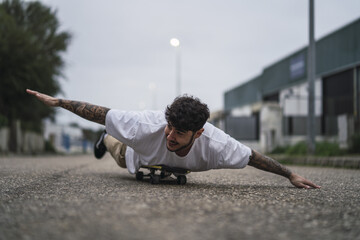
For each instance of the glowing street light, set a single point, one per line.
(174, 42)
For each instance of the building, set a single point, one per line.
(271, 109)
(66, 139)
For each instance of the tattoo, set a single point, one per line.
(85, 110)
(265, 163)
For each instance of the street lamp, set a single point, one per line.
(311, 82)
(176, 43)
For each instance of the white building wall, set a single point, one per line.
(270, 127)
(294, 100)
(244, 111)
(55, 134)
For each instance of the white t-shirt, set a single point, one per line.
(143, 133)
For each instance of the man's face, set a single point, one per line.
(179, 141)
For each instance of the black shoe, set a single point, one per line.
(99, 146)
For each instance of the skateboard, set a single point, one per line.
(165, 172)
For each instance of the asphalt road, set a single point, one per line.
(78, 197)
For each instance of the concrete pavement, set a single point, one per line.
(78, 197)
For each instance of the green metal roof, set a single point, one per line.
(246, 93)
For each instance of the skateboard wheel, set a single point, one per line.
(139, 176)
(181, 180)
(154, 179)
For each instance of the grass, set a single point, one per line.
(325, 149)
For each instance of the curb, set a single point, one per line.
(338, 162)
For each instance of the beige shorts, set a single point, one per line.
(117, 150)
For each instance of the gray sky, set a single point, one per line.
(120, 47)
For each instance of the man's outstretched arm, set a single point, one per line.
(265, 163)
(85, 110)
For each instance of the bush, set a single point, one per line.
(355, 144)
(279, 150)
(3, 121)
(298, 149)
(328, 149)
(49, 148)
(322, 149)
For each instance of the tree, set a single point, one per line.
(31, 45)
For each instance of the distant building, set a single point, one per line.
(66, 139)
(271, 109)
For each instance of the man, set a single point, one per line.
(179, 138)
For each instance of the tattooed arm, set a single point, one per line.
(85, 110)
(265, 163)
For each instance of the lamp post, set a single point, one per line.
(311, 81)
(176, 43)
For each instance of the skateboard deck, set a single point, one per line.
(165, 173)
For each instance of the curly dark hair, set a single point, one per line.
(187, 113)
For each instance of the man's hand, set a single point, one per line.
(268, 164)
(301, 182)
(85, 110)
(48, 100)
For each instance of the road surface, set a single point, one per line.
(79, 197)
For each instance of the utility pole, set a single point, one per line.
(311, 81)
